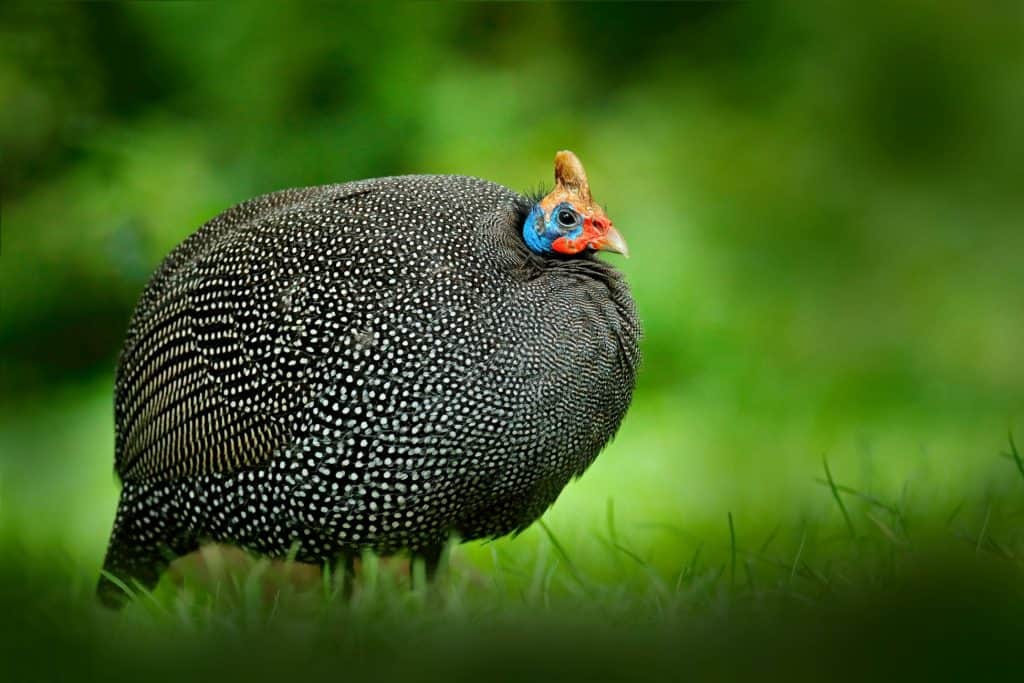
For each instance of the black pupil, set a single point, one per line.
(566, 218)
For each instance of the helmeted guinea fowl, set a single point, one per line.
(374, 365)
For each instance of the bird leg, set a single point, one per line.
(346, 563)
(431, 557)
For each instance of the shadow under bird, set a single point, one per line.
(374, 365)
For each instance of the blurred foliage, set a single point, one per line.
(823, 203)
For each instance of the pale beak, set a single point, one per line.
(612, 241)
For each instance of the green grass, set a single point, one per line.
(735, 606)
(840, 582)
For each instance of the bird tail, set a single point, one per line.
(136, 557)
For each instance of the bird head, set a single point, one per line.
(567, 220)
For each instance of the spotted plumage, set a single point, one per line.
(374, 365)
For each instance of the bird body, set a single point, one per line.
(373, 365)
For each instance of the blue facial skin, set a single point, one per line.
(539, 234)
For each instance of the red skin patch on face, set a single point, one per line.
(564, 245)
(591, 233)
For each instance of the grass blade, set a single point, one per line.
(732, 554)
(849, 490)
(561, 551)
(984, 528)
(839, 499)
(1015, 454)
(799, 553)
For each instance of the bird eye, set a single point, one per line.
(566, 218)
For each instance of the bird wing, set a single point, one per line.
(222, 347)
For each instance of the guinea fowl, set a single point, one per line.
(374, 365)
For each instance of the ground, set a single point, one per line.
(840, 584)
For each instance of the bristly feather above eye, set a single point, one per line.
(525, 203)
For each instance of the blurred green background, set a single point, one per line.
(823, 206)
